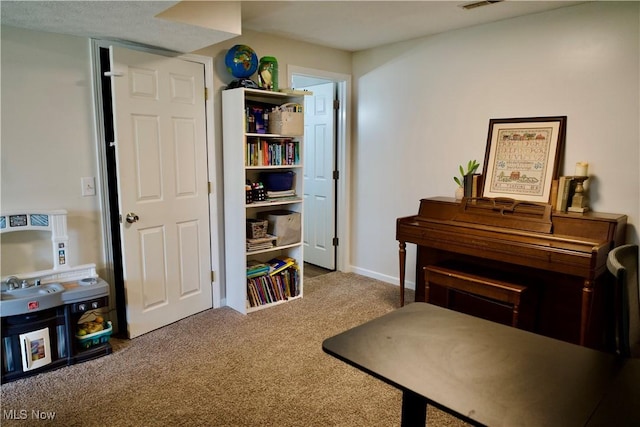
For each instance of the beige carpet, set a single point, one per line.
(220, 368)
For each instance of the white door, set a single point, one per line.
(159, 124)
(319, 183)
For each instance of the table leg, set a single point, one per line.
(587, 293)
(414, 409)
(402, 257)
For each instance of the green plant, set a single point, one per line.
(472, 166)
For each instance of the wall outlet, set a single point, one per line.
(88, 186)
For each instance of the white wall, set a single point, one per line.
(423, 107)
(48, 141)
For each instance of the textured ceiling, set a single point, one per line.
(132, 21)
(349, 25)
(357, 25)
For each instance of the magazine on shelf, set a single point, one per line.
(283, 193)
(261, 243)
(279, 264)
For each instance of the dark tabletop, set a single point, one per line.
(481, 371)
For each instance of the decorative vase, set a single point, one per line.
(268, 73)
(459, 193)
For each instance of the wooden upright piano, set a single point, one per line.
(563, 255)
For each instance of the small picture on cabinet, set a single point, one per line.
(35, 348)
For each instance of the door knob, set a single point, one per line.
(132, 217)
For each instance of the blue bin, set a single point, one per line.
(278, 181)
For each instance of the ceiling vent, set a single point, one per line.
(469, 6)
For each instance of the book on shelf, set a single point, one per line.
(296, 92)
(272, 152)
(472, 184)
(256, 268)
(267, 289)
(279, 264)
(279, 194)
(476, 187)
(553, 196)
(564, 193)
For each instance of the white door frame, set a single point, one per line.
(102, 156)
(343, 123)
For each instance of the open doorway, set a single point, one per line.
(320, 177)
(326, 157)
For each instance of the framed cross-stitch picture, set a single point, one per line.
(522, 156)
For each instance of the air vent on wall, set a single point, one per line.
(475, 4)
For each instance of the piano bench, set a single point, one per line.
(492, 289)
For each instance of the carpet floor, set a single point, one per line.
(221, 368)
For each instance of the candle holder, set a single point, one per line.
(579, 199)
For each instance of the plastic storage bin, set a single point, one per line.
(95, 339)
(278, 181)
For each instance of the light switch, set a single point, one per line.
(88, 186)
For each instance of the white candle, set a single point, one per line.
(582, 168)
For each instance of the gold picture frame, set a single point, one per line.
(522, 156)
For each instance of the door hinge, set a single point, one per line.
(120, 218)
(210, 186)
(336, 104)
(336, 175)
(213, 276)
(206, 94)
(335, 241)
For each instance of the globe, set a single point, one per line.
(241, 61)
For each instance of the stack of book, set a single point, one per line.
(280, 282)
(280, 194)
(566, 189)
(261, 243)
(473, 185)
(256, 269)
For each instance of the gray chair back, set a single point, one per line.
(622, 262)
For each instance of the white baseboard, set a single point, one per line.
(382, 277)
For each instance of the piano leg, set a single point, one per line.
(402, 257)
(587, 294)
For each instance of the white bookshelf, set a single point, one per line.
(236, 209)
